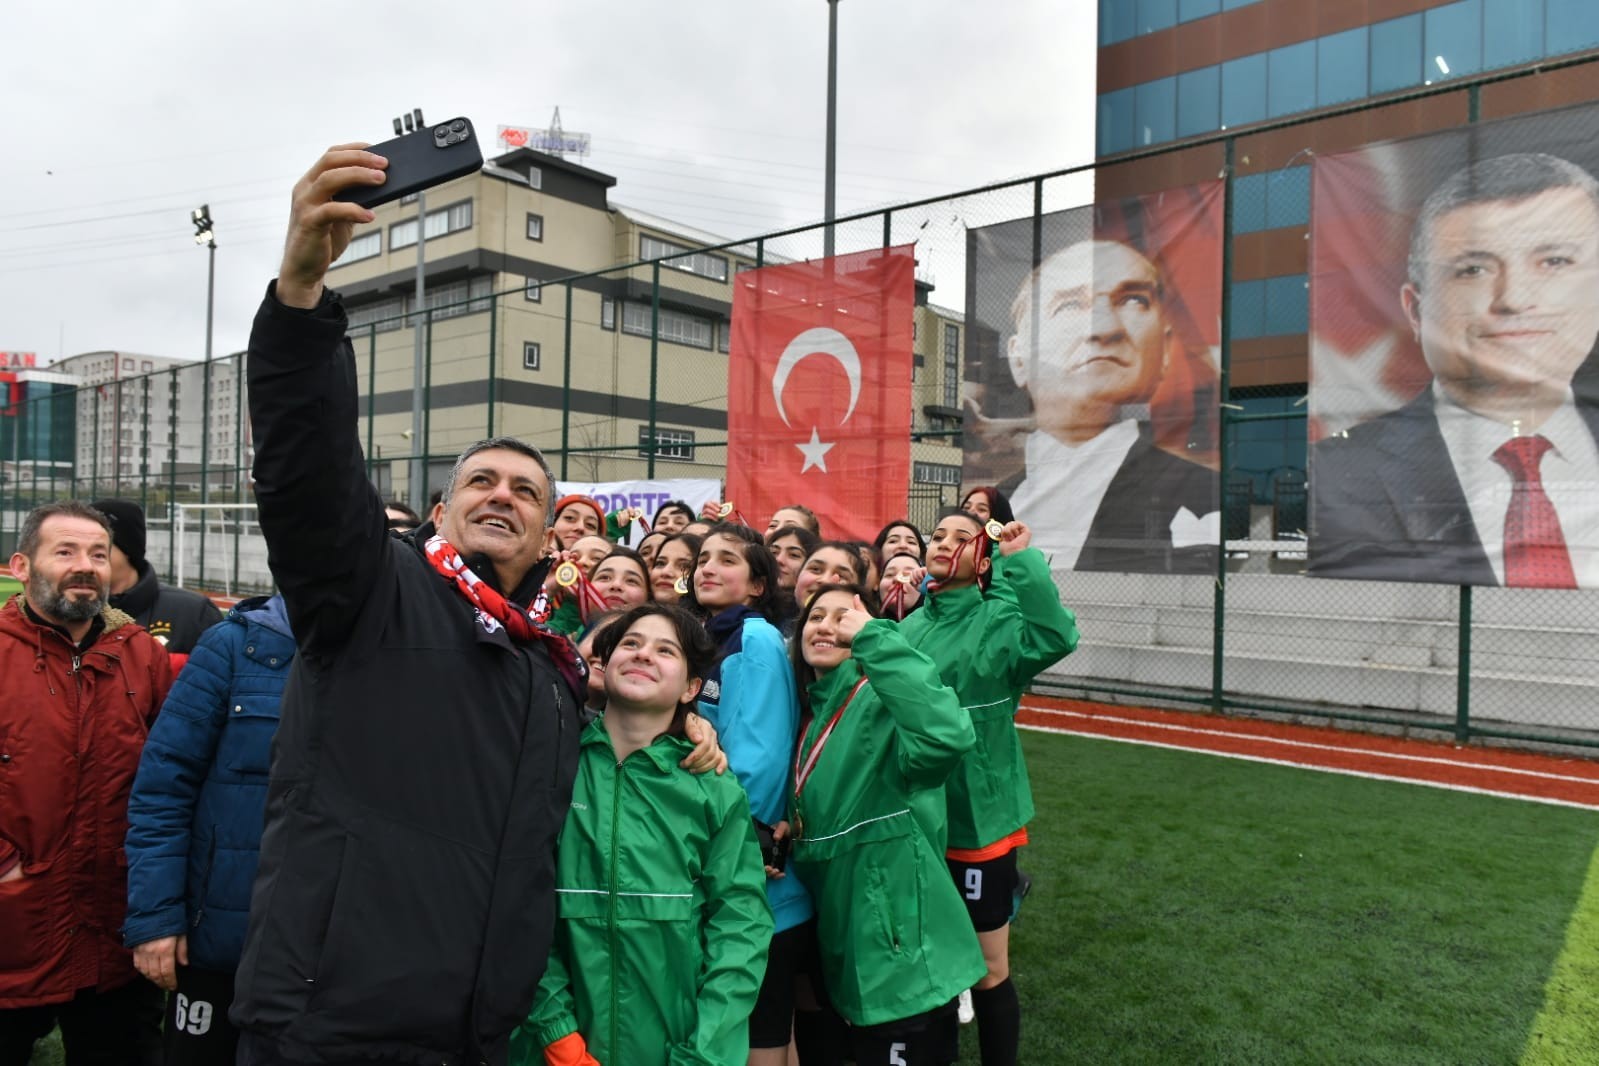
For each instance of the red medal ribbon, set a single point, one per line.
(802, 774)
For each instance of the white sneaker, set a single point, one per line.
(964, 1009)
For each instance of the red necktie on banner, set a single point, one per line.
(1535, 547)
(819, 389)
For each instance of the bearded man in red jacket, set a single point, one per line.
(80, 684)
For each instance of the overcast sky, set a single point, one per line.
(120, 118)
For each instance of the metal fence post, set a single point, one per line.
(1218, 651)
(426, 443)
(494, 316)
(371, 394)
(655, 353)
(172, 474)
(1463, 670)
(566, 377)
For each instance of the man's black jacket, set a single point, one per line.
(175, 617)
(422, 770)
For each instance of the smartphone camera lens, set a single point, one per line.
(459, 125)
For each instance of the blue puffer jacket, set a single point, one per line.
(195, 814)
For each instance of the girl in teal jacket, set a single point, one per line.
(989, 644)
(663, 922)
(880, 730)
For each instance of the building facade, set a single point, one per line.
(571, 364)
(1173, 70)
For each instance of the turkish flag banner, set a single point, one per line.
(819, 390)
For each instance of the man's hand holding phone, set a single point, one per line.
(319, 226)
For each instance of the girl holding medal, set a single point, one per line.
(900, 590)
(673, 566)
(621, 579)
(749, 697)
(664, 924)
(988, 504)
(880, 733)
(993, 624)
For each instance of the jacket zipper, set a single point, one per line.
(616, 820)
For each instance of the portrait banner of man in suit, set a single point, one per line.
(1091, 380)
(1454, 311)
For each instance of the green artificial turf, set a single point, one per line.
(1193, 909)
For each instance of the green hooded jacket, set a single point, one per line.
(895, 937)
(989, 647)
(660, 944)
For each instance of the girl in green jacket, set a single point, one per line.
(663, 921)
(880, 735)
(992, 624)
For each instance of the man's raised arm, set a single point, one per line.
(324, 523)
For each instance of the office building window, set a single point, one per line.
(1247, 313)
(1287, 305)
(530, 355)
(1243, 91)
(1189, 10)
(1249, 203)
(685, 259)
(1453, 35)
(952, 371)
(365, 246)
(1291, 79)
(724, 337)
(447, 220)
(1288, 197)
(676, 445)
(1156, 102)
(1118, 20)
(457, 298)
(1116, 114)
(1198, 101)
(1341, 67)
(533, 292)
(1229, 5)
(1572, 25)
(678, 327)
(381, 316)
(1396, 54)
(607, 313)
(1512, 32)
(535, 227)
(1154, 15)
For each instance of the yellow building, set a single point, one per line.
(497, 241)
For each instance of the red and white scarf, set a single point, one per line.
(494, 611)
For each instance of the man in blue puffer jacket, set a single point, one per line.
(195, 818)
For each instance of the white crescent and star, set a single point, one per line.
(819, 340)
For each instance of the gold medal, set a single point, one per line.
(567, 575)
(905, 579)
(993, 529)
(680, 586)
(724, 510)
(799, 825)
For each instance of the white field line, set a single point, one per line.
(1318, 768)
(1285, 742)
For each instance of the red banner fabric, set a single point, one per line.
(819, 390)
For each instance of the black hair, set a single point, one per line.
(898, 523)
(673, 505)
(808, 540)
(762, 567)
(961, 512)
(849, 548)
(694, 542)
(623, 552)
(699, 650)
(652, 533)
(28, 539)
(812, 521)
(998, 502)
(410, 515)
(804, 672)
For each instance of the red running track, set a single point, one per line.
(1563, 781)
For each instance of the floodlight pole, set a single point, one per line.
(412, 123)
(205, 233)
(830, 179)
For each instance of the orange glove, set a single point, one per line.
(570, 1050)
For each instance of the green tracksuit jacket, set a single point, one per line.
(660, 943)
(988, 648)
(895, 937)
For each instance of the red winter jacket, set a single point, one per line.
(71, 730)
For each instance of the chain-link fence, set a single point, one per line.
(621, 373)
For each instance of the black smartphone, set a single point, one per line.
(417, 161)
